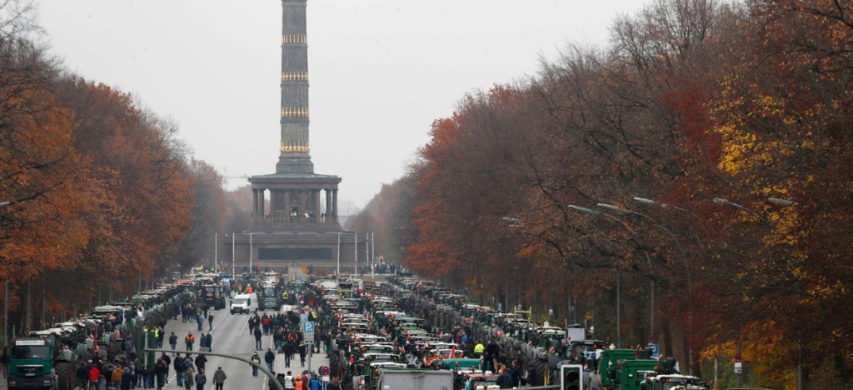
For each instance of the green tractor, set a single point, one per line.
(36, 363)
(633, 373)
(213, 295)
(610, 364)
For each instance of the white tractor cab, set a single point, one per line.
(244, 303)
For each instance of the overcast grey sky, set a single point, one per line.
(380, 70)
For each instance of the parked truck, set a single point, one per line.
(34, 363)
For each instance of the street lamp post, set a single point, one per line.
(684, 261)
(338, 269)
(618, 273)
(355, 251)
(780, 203)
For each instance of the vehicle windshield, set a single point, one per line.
(241, 301)
(30, 352)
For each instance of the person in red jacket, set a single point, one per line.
(94, 376)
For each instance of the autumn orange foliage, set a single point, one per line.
(99, 198)
(694, 100)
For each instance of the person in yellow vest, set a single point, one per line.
(478, 350)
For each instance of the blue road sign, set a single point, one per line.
(308, 327)
(655, 350)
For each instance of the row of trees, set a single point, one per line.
(98, 196)
(693, 100)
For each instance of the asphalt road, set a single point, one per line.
(231, 336)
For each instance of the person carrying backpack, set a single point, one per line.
(200, 379)
(116, 377)
(161, 369)
(180, 368)
(189, 377)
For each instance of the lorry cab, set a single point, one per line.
(31, 364)
(244, 303)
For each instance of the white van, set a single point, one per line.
(244, 303)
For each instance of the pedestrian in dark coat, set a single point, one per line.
(200, 379)
(258, 336)
(161, 370)
(303, 350)
(219, 378)
(505, 379)
(516, 372)
(200, 360)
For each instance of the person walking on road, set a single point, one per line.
(271, 381)
(200, 379)
(180, 368)
(173, 341)
(288, 381)
(200, 361)
(269, 358)
(200, 319)
(161, 371)
(94, 377)
(189, 340)
(116, 376)
(325, 376)
(289, 351)
(168, 361)
(210, 322)
(303, 350)
(258, 336)
(257, 360)
(219, 378)
(189, 376)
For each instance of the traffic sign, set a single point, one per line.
(308, 327)
(738, 368)
(654, 349)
